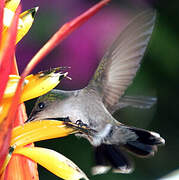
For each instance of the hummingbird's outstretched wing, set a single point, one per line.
(121, 62)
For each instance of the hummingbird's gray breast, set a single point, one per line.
(94, 110)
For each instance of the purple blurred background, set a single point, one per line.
(83, 49)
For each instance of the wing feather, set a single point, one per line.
(121, 62)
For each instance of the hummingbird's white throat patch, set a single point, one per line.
(99, 137)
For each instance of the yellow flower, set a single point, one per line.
(17, 155)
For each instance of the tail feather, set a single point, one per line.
(146, 142)
(148, 137)
(100, 155)
(118, 159)
(110, 156)
(101, 164)
(140, 149)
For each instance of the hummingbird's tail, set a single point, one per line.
(145, 144)
(111, 156)
(140, 142)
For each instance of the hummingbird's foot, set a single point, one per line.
(81, 124)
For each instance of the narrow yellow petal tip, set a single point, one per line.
(27, 18)
(25, 22)
(54, 162)
(36, 9)
(34, 85)
(40, 84)
(32, 12)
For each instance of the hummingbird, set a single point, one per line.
(94, 105)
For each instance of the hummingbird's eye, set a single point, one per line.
(41, 105)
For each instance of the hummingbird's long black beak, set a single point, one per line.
(65, 119)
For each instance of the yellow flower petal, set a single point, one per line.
(34, 85)
(25, 22)
(39, 130)
(40, 84)
(53, 161)
(12, 4)
(27, 18)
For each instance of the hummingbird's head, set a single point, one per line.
(45, 106)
